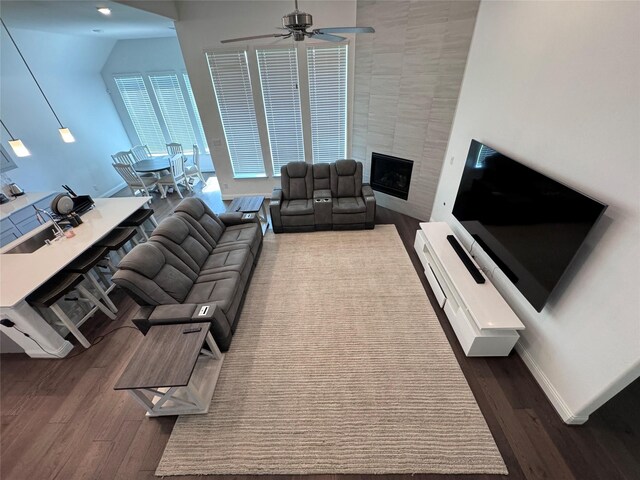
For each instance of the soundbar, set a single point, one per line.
(473, 270)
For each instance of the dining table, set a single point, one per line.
(22, 273)
(153, 165)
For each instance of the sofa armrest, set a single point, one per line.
(237, 218)
(274, 210)
(177, 313)
(370, 202)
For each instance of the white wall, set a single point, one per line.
(555, 85)
(202, 25)
(67, 68)
(148, 55)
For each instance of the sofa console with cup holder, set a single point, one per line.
(323, 196)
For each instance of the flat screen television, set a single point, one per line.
(529, 224)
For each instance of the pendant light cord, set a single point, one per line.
(5, 127)
(32, 75)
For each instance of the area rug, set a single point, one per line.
(339, 365)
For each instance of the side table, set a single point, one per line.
(253, 204)
(170, 373)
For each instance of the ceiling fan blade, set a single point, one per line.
(254, 37)
(345, 30)
(326, 36)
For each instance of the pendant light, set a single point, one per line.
(65, 133)
(16, 144)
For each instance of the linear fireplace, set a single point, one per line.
(391, 175)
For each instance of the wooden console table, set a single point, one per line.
(170, 373)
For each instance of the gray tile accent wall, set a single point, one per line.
(407, 79)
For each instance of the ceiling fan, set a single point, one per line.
(296, 24)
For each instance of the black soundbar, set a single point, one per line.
(462, 253)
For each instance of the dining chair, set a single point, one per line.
(194, 171)
(129, 158)
(141, 152)
(175, 176)
(175, 149)
(135, 182)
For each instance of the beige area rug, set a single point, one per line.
(339, 365)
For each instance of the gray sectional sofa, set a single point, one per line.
(193, 259)
(324, 196)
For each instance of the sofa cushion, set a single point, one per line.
(297, 180)
(247, 233)
(232, 259)
(349, 205)
(346, 178)
(321, 176)
(195, 209)
(296, 207)
(219, 287)
(174, 234)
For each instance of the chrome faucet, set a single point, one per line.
(56, 228)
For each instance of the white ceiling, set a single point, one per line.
(80, 17)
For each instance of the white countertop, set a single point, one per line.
(21, 274)
(18, 203)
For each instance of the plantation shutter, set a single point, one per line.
(195, 110)
(328, 101)
(281, 96)
(232, 87)
(138, 104)
(173, 109)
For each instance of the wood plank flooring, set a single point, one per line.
(61, 419)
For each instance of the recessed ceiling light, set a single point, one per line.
(104, 10)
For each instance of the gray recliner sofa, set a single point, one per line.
(193, 259)
(322, 196)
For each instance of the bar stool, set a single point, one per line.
(117, 239)
(86, 264)
(48, 294)
(137, 219)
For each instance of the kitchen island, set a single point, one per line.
(21, 274)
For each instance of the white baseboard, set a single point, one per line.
(567, 415)
(115, 189)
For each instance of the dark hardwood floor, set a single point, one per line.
(61, 419)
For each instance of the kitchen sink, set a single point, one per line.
(34, 243)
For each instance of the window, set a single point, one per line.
(281, 97)
(328, 101)
(174, 110)
(138, 104)
(195, 110)
(232, 87)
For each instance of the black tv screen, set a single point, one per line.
(529, 224)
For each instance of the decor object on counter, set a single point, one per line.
(339, 365)
(193, 259)
(65, 133)
(15, 190)
(16, 144)
(322, 196)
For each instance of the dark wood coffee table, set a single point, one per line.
(253, 204)
(170, 373)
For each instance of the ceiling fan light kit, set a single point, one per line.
(296, 23)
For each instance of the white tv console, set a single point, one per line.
(484, 324)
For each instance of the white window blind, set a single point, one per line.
(195, 110)
(138, 104)
(328, 101)
(173, 109)
(281, 96)
(232, 87)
